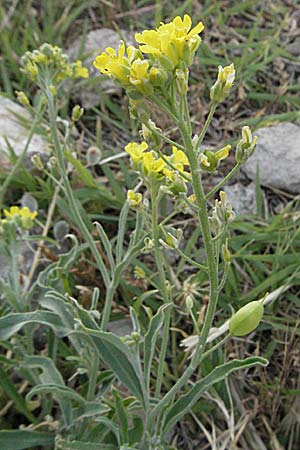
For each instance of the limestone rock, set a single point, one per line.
(242, 198)
(96, 42)
(278, 157)
(14, 132)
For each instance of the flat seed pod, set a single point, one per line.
(246, 319)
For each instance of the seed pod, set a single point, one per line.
(246, 319)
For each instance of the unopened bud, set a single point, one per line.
(189, 302)
(139, 272)
(226, 253)
(246, 146)
(93, 155)
(77, 113)
(37, 162)
(22, 98)
(221, 89)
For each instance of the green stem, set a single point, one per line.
(190, 260)
(222, 182)
(206, 125)
(211, 265)
(79, 221)
(162, 136)
(162, 285)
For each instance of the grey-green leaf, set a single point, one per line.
(186, 401)
(12, 323)
(21, 439)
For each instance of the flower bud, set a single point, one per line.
(226, 253)
(221, 89)
(246, 319)
(139, 272)
(151, 136)
(208, 160)
(93, 155)
(22, 98)
(182, 80)
(189, 302)
(37, 162)
(246, 146)
(134, 198)
(77, 113)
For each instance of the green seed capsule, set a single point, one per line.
(246, 319)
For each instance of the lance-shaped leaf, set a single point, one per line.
(12, 323)
(150, 340)
(119, 357)
(186, 401)
(22, 439)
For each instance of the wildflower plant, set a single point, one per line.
(155, 72)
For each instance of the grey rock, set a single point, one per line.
(278, 157)
(121, 327)
(242, 198)
(14, 129)
(95, 43)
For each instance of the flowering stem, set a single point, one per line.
(206, 125)
(222, 182)
(211, 266)
(79, 221)
(162, 285)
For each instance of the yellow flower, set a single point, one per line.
(136, 151)
(178, 160)
(23, 216)
(179, 156)
(175, 40)
(116, 65)
(79, 71)
(223, 152)
(139, 72)
(134, 199)
(151, 164)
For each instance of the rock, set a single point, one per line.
(95, 43)
(15, 131)
(278, 157)
(120, 327)
(242, 198)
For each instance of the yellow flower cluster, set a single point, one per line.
(50, 60)
(150, 164)
(22, 217)
(175, 41)
(169, 46)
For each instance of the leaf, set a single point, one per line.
(90, 409)
(56, 390)
(51, 376)
(62, 444)
(82, 171)
(150, 340)
(21, 439)
(12, 323)
(186, 401)
(123, 362)
(106, 244)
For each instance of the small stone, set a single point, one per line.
(277, 155)
(95, 43)
(242, 198)
(14, 133)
